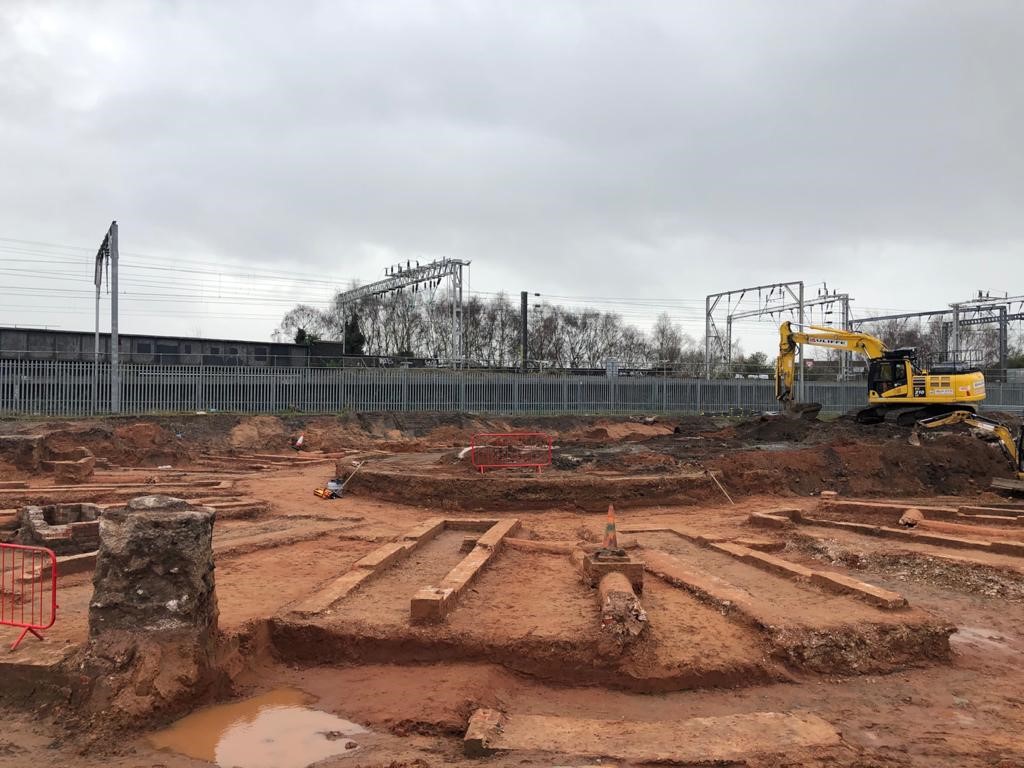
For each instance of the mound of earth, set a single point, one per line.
(774, 429)
(131, 443)
(265, 433)
(944, 464)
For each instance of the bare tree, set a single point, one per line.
(666, 341)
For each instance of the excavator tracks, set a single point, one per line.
(908, 415)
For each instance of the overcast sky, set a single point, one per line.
(653, 151)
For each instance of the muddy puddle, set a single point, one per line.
(278, 729)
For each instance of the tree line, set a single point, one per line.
(406, 324)
(409, 325)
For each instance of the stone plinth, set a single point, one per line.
(597, 565)
(152, 649)
(154, 571)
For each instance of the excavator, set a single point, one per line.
(897, 387)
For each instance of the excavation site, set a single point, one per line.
(424, 588)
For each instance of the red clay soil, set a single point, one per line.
(532, 614)
(956, 464)
(459, 489)
(519, 639)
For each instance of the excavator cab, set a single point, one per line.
(893, 370)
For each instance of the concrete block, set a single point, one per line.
(842, 584)
(430, 605)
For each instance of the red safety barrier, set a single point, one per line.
(502, 450)
(28, 595)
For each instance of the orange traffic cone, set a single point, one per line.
(611, 539)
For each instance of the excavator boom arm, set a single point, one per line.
(816, 336)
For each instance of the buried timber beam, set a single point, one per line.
(431, 605)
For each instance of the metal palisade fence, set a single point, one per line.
(70, 388)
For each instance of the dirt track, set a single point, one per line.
(526, 634)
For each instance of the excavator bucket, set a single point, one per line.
(805, 411)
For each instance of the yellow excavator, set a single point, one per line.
(1013, 449)
(897, 388)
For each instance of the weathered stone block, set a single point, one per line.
(622, 615)
(154, 571)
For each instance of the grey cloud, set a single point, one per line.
(577, 147)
